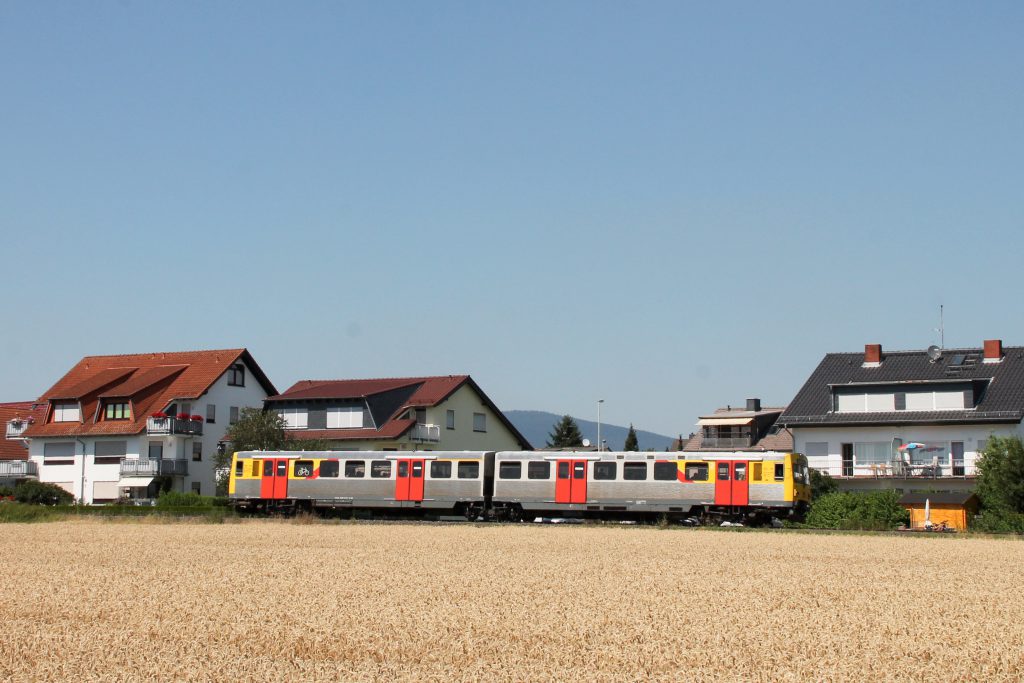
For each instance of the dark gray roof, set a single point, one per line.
(937, 498)
(998, 387)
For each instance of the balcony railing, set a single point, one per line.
(726, 442)
(18, 468)
(142, 467)
(159, 426)
(900, 471)
(425, 433)
(16, 428)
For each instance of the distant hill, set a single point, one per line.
(535, 425)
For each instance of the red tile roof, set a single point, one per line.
(13, 449)
(150, 381)
(432, 390)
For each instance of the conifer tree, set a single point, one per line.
(631, 442)
(566, 434)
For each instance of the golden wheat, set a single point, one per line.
(357, 602)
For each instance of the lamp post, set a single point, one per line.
(599, 402)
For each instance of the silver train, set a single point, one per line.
(523, 484)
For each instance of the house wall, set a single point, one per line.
(971, 435)
(90, 482)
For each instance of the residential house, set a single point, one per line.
(912, 420)
(750, 428)
(14, 462)
(450, 413)
(122, 426)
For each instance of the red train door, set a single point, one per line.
(740, 490)
(571, 481)
(274, 484)
(409, 480)
(579, 482)
(731, 483)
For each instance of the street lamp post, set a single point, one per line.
(599, 402)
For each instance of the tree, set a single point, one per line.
(822, 484)
(566, 434)
(631, 442)
(1001, 475)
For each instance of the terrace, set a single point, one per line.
(143, 467)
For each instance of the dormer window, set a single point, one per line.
(236, 375)
(117, 411)
(66, 412)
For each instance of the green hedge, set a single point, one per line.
(998, 521)
(34, 492)
(877, 510)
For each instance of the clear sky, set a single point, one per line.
(671, 206)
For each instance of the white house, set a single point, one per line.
(913, 420)
(117, 426)
(448, 413)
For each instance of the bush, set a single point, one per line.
(822, 484)
(6, 492)
(877, 510)
(34, 492)
(998, 521)
(176, 499)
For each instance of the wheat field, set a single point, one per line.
(280, 601)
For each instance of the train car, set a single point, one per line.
(608, 484)
(452, 481)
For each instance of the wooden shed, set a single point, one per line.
(954, 509)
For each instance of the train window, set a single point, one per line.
(469, 470)
(328, 468)
(417, 469)
(741, 471)
(755, 475)
(403, 468)
(563, 470)
(356, 469)
(440, 470)
(634, 471)
(538, 470)
(380, 469)
(303, 469)
(579, 470)
(510, 470)
(255, 468)
(239, 469)
(696, 471)
(665, 471)
(780, 471)
(268, 468)
(604, 471)
(282, 468)
(723, 471)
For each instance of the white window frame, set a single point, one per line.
(294, 418)
(67, 412)
(345, 417)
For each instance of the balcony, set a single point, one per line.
(162, 426)
(899, 470)
(726, 442)
(15, 428)
(143, 467)
(430, 433)
(18, 468)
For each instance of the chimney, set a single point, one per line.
(872, 355)
(753, 404)
(993, 350)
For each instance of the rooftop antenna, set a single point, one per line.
(941, 329)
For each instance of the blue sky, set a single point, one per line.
(670, 206)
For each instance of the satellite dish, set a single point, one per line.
(586, 443)
(934, 353)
